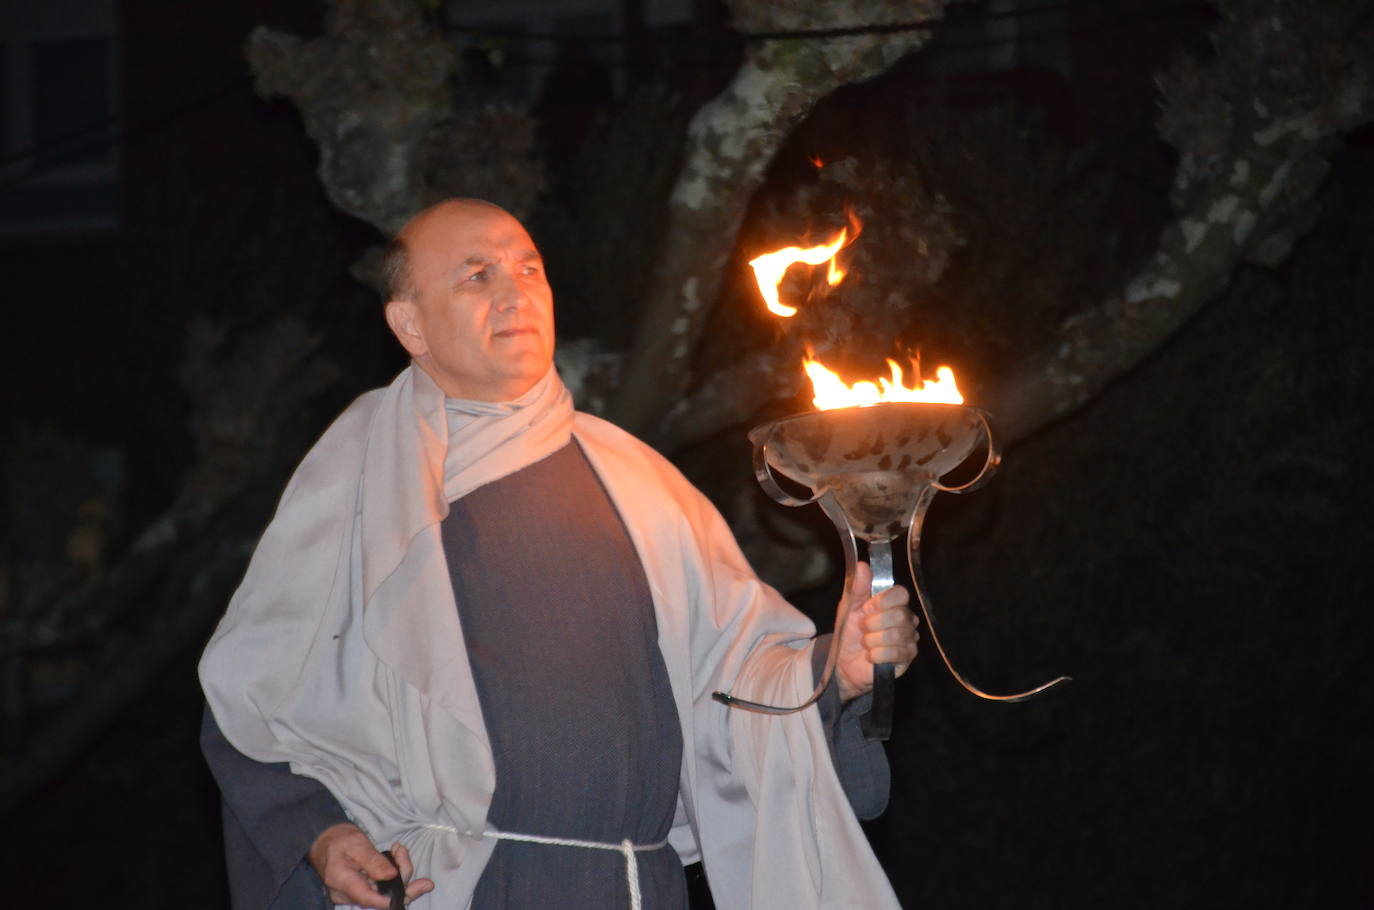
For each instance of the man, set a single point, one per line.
(485, 630)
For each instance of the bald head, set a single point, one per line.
(397, 280)
(469, 300)
(457, 207)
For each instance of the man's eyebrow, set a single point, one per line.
(476, 260)
(479, 259)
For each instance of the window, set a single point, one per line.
(58, 107)
(72, 103)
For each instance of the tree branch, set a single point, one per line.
(374, 93)
(202, 573)
(730, 142)
(1253, 127)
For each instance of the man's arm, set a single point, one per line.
(271, 819)
(288, 843)
(860, 763)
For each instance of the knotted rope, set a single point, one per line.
(626, 848)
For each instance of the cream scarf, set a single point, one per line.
(487, 440)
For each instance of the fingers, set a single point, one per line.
(416, 887)
(861, 585)
(887, 629)
(374, 865)
(402, 857)
(892, 598)
(352, 886)
(861, 588)
(887, 609)
(880, 629)
(348, 865)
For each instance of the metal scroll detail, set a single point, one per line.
(913, 551)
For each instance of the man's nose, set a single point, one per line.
(510, 294)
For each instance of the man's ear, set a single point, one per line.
(404, 318)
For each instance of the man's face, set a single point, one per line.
(481, 320)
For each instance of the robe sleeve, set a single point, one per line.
(271, 817)
(860, 763)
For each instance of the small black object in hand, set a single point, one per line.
(394, 889)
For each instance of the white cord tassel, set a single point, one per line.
(631, 873)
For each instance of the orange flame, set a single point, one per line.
(771, 267)
(834, 274)
(832, 392)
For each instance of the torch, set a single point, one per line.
(872, 456)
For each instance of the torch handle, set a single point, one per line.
(877, 723)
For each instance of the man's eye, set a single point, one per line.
(478, 276)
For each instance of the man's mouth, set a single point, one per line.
(516, 331)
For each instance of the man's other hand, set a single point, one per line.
(350, 866)
(880, 629)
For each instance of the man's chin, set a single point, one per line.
(508, 382)
(525, 373)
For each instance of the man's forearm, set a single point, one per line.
(272, 817)
(860, 763)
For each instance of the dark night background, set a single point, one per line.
(1192, 546)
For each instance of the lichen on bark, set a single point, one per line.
(1253, 126)
(375, 94)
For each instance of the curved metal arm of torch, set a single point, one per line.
(764, 472)
(914, 562)
(989, 465)
(851, 558)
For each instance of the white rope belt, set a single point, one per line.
(626, 848)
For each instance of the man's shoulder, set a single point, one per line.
(354, 420)
(358, 415)
(343, 442)
(619, 443)
(629, 460)
(603, 430)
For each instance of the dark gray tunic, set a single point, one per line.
(560, 629)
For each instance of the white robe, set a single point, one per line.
(353, 669)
